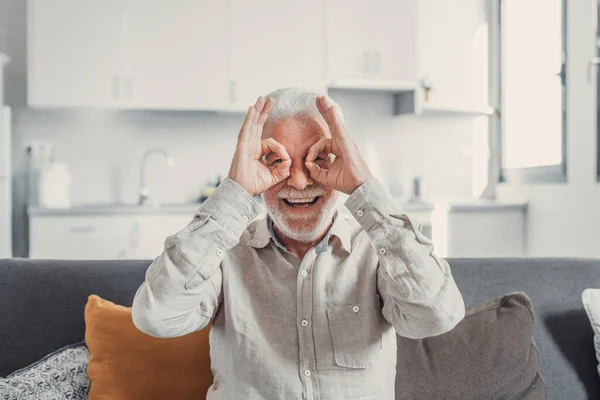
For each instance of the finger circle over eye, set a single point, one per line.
(270, 145)
(323, 145)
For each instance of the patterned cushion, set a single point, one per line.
(58, 376)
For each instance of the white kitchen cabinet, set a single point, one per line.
(206, 55)
(102, 236)
(452, 53)
(74, 52)
(139, 54)
(371, 40)
(274, 44)
(480, 229)
(81, 237)
(349, 49)
(175, 53)
(152, 230)
(394, 30)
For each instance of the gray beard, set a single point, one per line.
(305, 230)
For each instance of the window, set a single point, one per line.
(596, 62)
(532, 56)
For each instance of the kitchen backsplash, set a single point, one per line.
(103, 148)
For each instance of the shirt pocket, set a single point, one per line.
(356, 333)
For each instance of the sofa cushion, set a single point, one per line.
(490, 354)
(60, 375)
(591, 304)
(125, 363)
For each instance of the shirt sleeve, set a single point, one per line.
(420, 297)
(183, 286)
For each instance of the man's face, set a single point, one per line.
(300, 208)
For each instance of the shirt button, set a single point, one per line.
(303, 273)
(245, 218)
(382, 251)
(219, 252)
(307, 373)
(356, 309)
(304, 322)
(360, 213)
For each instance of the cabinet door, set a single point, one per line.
(153, 230)
(393, 39)
(74, 52)
(274, 44)
(90, 237)
(349, 49)
(453, 51)
(176, 54)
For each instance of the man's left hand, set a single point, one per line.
(348, 170)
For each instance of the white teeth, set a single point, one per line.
(307, 200)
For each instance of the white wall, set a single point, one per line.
(564, 219)
(103, 148)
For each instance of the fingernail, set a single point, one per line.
(328, 101)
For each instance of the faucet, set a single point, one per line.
(145, 196)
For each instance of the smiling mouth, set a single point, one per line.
(301, 203)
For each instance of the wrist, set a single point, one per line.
(359, 183)
(240, 181)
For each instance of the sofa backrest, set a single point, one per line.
(562, 332)
(42, 304)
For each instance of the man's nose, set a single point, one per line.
(299, 177)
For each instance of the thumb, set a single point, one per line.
(316, 172)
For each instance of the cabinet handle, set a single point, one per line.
(233, 91)
(115, 88)
(377, 57)
(366, 62)
(82, 229)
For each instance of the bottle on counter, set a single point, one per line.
(53, 185)
(416, 192)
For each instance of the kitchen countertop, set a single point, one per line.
(462, 204)
(480, 205)
(452, 205)
(95, 209)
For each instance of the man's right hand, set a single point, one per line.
(247, 167)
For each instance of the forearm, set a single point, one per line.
(182, 289)
(420, 296)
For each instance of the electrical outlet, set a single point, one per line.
(39, 149)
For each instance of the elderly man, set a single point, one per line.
(305, 303)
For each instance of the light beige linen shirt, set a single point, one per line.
(282, 328)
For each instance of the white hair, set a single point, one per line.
(293, 102)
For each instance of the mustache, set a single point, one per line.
(291, 193)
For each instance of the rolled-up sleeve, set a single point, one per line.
(183, 286)
(420, 297)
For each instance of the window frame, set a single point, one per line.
(538, 174)
(596, 62)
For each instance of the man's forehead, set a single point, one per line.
(298, 127)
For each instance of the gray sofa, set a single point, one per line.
(42, 303)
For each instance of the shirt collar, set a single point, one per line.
(263, 234)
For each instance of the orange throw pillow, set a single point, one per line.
(125, 363)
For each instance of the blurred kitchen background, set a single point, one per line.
(120, 116)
